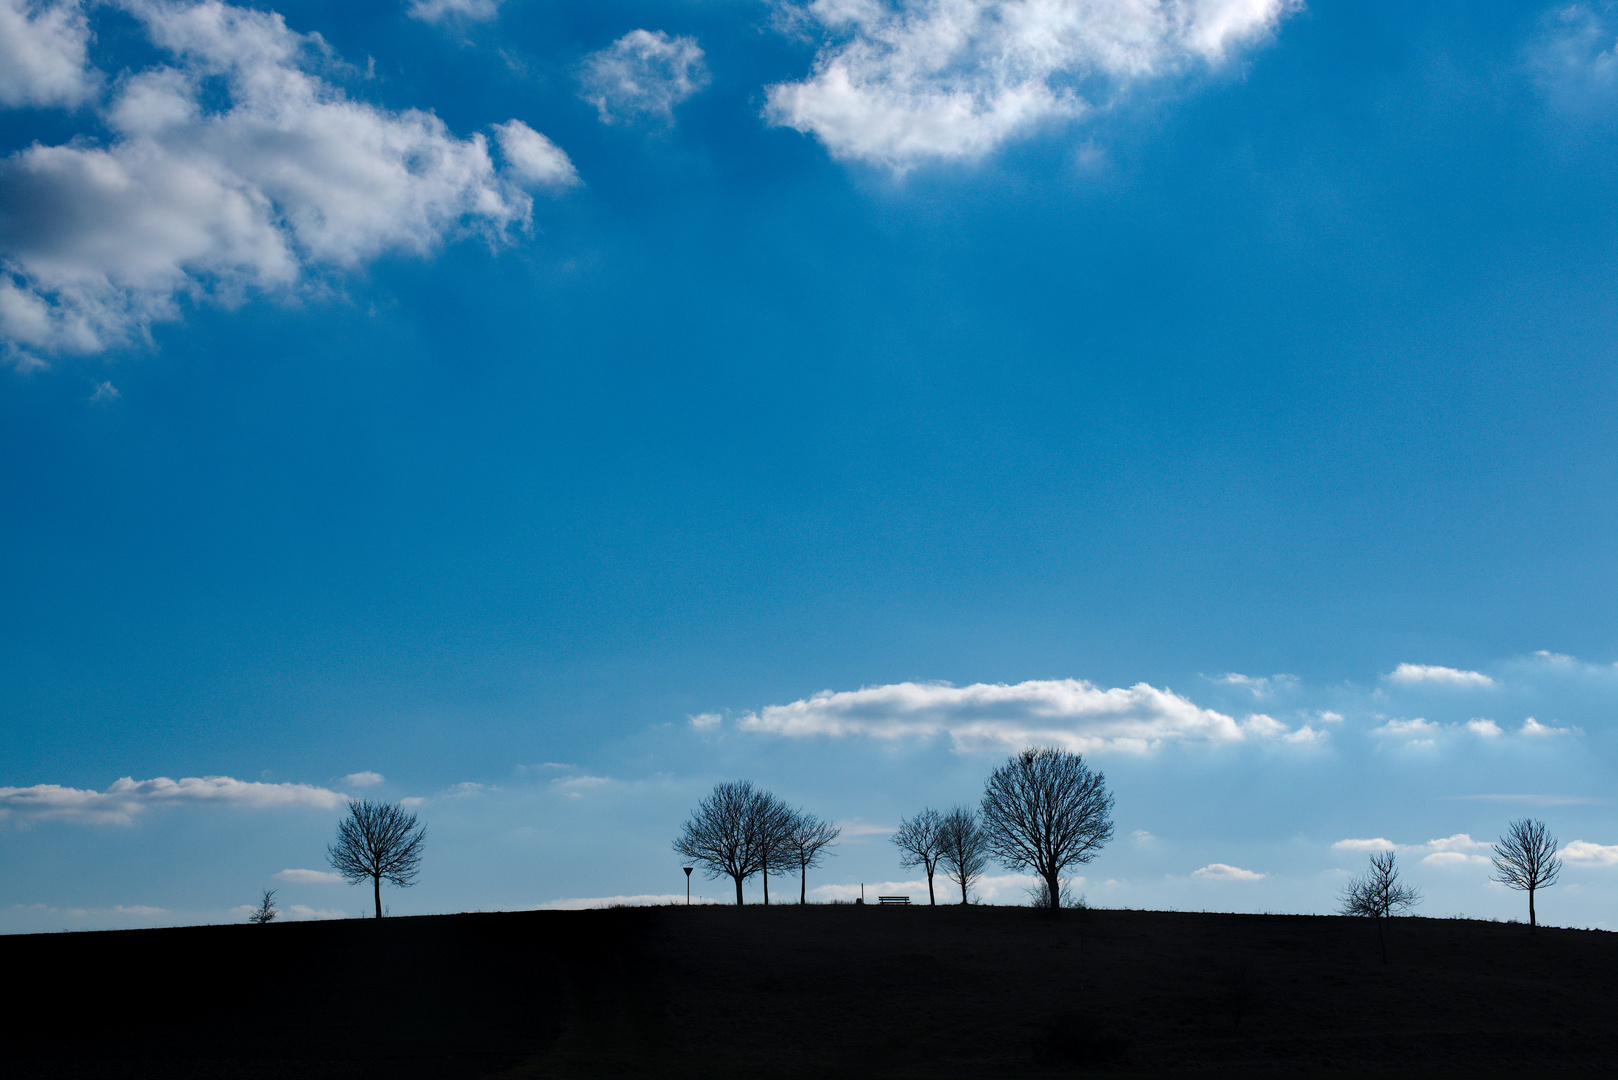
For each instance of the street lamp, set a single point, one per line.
(687, 886)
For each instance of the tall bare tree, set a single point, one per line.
(1378, 894)
(735, 832)
(921, 843)
(807, 842)
(1045, 810)
(380, 841)
(266, 912)
(965, 849)
(1525, 860)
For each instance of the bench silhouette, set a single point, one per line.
(893, 899)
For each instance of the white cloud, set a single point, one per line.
(310, 877)
(234, 168)
(1328, 717)
(127, 798)
(643, 73)
(1583, 851)
(439, 10)
(1224, 872)
(1143, 837)
(903, 82)
(1418, 728)
(1261, 686)
(1487, 728)
(105, 392)
(1413, 674)
(1069, 713)
(43, 59)
(304, 911)
(145, 911)
(532, 158)
(1534, 728)
(1454, 850)
(581, 903)
(363, 779)
(705, 721)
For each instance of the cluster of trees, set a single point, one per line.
(1044, 810)
(740, 830)
(1525, 859)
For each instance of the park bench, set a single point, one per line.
(893, 899)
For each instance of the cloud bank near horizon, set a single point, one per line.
(1069, 713)
(128, 798)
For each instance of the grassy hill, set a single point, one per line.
(816, 991)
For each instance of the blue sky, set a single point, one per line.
(450, 402)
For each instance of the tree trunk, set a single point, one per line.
(803, 884)
(963, 888)
(1532, 924)
(738, 878)
(1055, 887)
(930, 899)
(766, 877)
(376, 884)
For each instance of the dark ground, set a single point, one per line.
(818, 991)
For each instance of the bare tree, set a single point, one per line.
(964, 849)
(1045, 810)
(921, 843)
(380, 841)
(807, 843)
(266, 912)
(737, 831)
(1378, 894)
(1525, 860)
(776, 822)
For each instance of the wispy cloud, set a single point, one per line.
(363, 779)
(645, 73)
(1070, 713)
(309, 877)
(899, 83)
(1225, 872)
(126, 799)
(1431, 674)
(441, 10)
(705, 721)
(576, 786)
(1536, 800)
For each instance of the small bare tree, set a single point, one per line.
(266, 912)
(964, 850)
(1378, 894)
(736, 832)
(808, 842)
(1045, 810)
(1525, 860)
(776, 822)
(379, 841)
(921, 843)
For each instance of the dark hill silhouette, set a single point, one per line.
(813, 992)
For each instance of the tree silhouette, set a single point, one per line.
(1525, 860)
(736, 831)
(1377, 894)
(266, 912)
(1045, 810)
(807, 843)
(964, 850)
(380, 841)
(920, 842)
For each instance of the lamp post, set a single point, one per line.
(687, 886)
